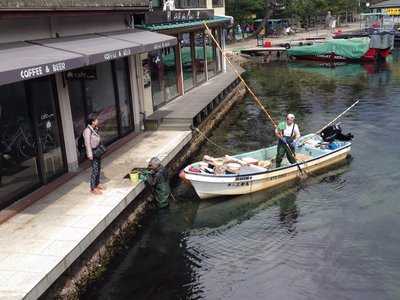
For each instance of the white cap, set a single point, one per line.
(291, 116)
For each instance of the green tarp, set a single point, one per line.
(353, 48)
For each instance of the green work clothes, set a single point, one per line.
(282, 150)
(158, 180)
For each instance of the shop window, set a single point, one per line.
(218, 3)
(211, 55)
(163, 76)
(31, 151)
(100, 97)
(42, 95)
(191, 4)
(102, 91)
(170, 73)
(124, 96)
(187, 60)
(199, 61)
(156, 72)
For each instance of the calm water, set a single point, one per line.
(334, 237)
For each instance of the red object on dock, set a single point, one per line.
(267, 44)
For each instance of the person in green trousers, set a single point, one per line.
(157, 178)
(287, 133)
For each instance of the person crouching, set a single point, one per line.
(157, 178)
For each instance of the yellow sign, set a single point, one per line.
(394, 11)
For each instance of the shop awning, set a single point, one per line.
(149, 40)
(97, 48)
(28, 60)
(22, 61)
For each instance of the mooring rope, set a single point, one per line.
(211, 141)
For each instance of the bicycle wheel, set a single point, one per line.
(26, 147)
(48, 143)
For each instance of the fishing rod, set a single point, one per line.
(257, 100)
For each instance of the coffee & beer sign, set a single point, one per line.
(43, 70)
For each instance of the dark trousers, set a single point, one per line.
(283, 150)
(95, 176)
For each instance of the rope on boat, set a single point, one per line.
(256, 99)
(212, 142)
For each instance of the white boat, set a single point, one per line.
(312, 155)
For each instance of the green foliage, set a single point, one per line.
(242, 10)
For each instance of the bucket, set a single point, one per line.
(267, 44)
(134, 176)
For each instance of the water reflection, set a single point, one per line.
(332, 237)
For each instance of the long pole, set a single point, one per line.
(240, 76)
(256, 99)
(338, 117)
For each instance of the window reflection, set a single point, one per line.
(163, 75)
(31, 151)
(100, 97)
(211, 55)
(42, 95)
(187, 63)
(200, 57)
(101, 91)
(124, 96)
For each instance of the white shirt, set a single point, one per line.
(288, 131)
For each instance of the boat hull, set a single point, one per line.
(216, 186)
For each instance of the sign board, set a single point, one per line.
(159, 17)
(393, 11)
(42, 70)
(87, 73)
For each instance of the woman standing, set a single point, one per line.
(94, 151)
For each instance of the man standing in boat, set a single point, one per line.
(287, 132)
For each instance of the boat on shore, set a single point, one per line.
(254, 171)
(358, 49)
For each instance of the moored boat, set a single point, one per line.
(360, 49)
(254, 171)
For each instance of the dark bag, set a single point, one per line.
(99, 151)
(81, 143)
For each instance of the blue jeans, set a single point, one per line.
(95, 176)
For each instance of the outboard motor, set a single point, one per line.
(334, 132)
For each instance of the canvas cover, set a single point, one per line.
(353, 48)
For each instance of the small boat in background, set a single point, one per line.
(359, 49)
(254, 171)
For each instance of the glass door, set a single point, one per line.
(19, 171)
(47, 126)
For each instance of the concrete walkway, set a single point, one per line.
(41, 242)
(181, 112)
(311, 33)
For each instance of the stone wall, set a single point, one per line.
(93, 264)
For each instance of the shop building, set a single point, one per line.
(58, 68)
(171, 72)
(61, 65)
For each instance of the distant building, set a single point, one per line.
(120, 60)
(391, 7)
